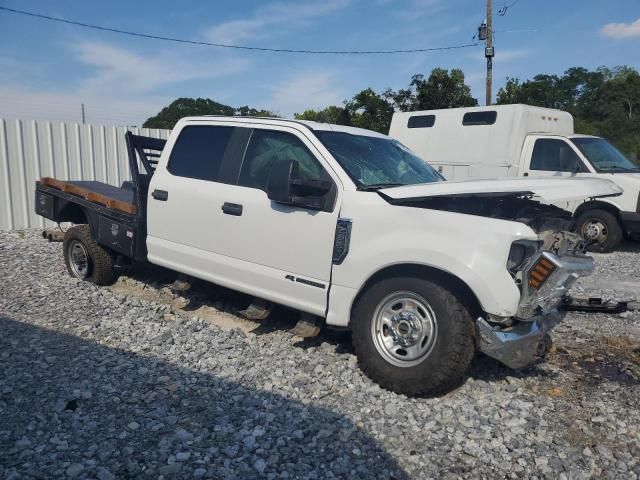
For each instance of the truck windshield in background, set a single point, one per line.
(603, 156)
(374, 162)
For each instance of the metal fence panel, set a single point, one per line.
(31, 149)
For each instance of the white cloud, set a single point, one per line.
(425, 3)
(621, 30)
(117, 69)
(120, 89)
(270, 18)
(311, 89)
(419, 9)
(510, 55)
(30, 104)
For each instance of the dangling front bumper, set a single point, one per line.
(519, 345)
(524, 340)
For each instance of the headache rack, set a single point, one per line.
(143, 152)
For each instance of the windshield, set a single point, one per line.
(374, 162)
(603, 156)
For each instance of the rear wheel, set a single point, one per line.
(412, 336)
(600, 229)
(85, 259)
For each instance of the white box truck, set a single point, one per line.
(521, 140)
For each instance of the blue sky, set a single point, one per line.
(48, 69)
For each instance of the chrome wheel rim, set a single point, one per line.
(594, 230)
(404, 329)
(78, 259)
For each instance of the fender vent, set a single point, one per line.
(341, 241)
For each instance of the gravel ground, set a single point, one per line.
(131, 381)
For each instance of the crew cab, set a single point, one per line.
(347, 225)
(527, 141)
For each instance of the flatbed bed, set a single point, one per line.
(117, 198)
(116, 215)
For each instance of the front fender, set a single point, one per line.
(472, 248)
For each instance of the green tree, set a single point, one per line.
(366, 109)
(370, 110)
(542, 90)
(188, 107)
(332, 114)
(252, 112)
(443, 89)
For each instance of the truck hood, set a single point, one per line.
(548, 190)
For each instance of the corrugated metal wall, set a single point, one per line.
(31, 149)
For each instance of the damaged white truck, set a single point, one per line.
(347, 225)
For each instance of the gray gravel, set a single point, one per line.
(101, 383)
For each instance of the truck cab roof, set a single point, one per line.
(580, 135)
(285, 121)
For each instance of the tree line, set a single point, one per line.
(603, 102)
(193, 107)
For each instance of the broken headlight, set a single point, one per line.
(521, 251)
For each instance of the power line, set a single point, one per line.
(503, 11)
(237, 47)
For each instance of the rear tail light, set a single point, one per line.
(540, 272)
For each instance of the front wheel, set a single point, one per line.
(412, 336)
(85, 258)
(600, 229)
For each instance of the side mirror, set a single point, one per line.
(279, 181)
(284, 186)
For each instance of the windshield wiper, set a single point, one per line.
(377, 186)
(617, 168)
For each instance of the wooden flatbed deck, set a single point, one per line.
(117, 198)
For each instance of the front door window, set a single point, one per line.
(553, 155)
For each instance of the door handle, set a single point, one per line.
(232, 209)
(161, 195)
(525, 174)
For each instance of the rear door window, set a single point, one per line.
(553, 155)
(198, 152)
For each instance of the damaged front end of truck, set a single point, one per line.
(544, 269)
(544, 275)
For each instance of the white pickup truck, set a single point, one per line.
(346, 225)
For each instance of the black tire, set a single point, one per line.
(99, 268)
(444, 367)
(612, 231)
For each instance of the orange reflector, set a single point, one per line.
(538, 276)
(546, 263)
(540, 269)
(540, 272)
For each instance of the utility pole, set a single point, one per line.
(83, 113)
(488, 50)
